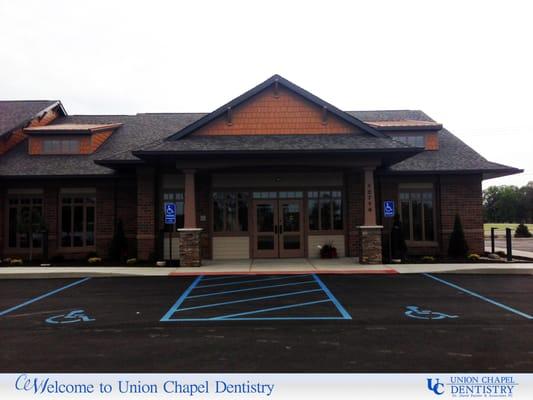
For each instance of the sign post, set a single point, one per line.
(170, 219)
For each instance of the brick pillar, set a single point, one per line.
(190, 235)
(370, 233)
(370, 244)
(146, 209)
(190, 247)
(105, 217)
(52, 208)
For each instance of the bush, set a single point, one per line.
(131, 261)
(474, 257)
(428, 259)
(458, 247)
(94, 260)
(501, 253)
(15, 261)
(522, 231)
(398, 246)
(118, 250)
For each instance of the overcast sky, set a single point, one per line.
(468, 64)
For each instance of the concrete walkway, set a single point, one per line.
(256, 267)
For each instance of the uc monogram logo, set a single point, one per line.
(437, 388)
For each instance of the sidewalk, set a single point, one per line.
(270, 267)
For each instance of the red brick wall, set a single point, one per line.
(145, 212)
(355, 211)
(105, 217)
(266, 114)
(126, 194)
(203, 185)
(462, 194)
(2, 219)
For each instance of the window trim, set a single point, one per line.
(72, 248)
(419, 188)
(321, 231)
(224, 232)
(28, 194)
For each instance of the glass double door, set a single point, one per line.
(278, 229)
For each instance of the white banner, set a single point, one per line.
(25, 386)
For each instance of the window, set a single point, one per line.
(25, 222)
(411, 140)
(325, 210)
(230, 212)
(178, 199)
(416, 213)
(77, 221)
(61, 146)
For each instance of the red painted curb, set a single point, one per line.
(276, 272)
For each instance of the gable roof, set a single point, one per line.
(262, 86)
(16, 114)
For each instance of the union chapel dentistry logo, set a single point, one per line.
(475, 386)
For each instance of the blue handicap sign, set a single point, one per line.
(170, 213)
(69, 318)
(417, 313)
(388, 208)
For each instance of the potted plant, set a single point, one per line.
(328, 250)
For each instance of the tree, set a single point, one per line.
(458, 248)
(398, 246)
(119, 244)
(508, 204)
(522, 231)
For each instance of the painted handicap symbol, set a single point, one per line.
(417, 313)
(71, 317)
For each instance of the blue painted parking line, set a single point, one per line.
(479, 296)
(184, 310)
(272, 309)
(248, 299)
(250, 289)
(48, 294)
(240, 282)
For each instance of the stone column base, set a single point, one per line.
(370, 244)
(190, 247)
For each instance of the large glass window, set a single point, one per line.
(25, 222)
(77, 221)
(325, 210)
(230, 212)
(416, 213)
(178, 199)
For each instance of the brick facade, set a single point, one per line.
(355, 211)
(146, 200)
(462, 194)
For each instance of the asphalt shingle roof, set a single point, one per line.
(13, 114)
(149, 131)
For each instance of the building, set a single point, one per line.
(276, 172)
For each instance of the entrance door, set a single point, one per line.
(278, 226)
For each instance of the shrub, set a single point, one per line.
(131, 261)
(428, 259)
(458, 247)
(118, 249)
(398, 246)
(94, 260)
(522, 231)
(474, 257)
(501, 253)
(15, 261)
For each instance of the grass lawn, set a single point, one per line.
(500, 228)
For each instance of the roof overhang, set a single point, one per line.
(70, 129)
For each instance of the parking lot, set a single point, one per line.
(268, 323)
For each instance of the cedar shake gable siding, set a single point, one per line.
(270, 113)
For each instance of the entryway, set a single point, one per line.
(277, 228)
